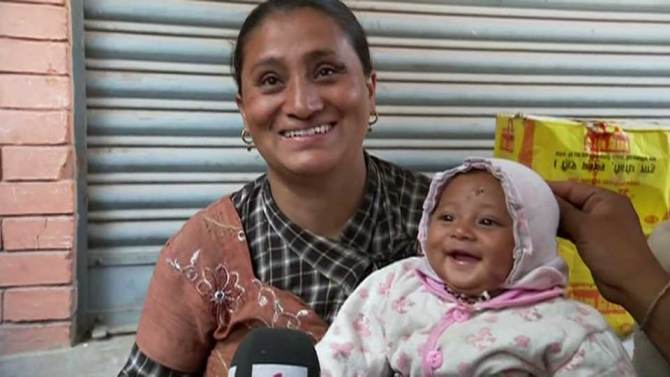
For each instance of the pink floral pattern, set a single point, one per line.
(385, 286)
(554, 348)
(342, 350)
(360, 325)
(522, 341)
(575, 362)
(530, 314)
(403, 363)
(482, 339)
(402, 305)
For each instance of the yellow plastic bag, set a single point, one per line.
(631, 159)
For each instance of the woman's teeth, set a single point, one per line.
(318, 130)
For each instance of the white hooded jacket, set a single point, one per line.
(401, 321)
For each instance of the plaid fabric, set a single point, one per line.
(322, 271)
(138, 365)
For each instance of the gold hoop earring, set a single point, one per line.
(373, 121)
(246, 139)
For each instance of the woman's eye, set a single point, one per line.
(269, 81)
(325, 71)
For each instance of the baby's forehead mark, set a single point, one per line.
(477, 192)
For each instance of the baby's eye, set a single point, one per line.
(447, 217)
(488, 221)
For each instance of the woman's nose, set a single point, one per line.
(303, 99)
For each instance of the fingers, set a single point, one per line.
(577, 194)
(571, 218)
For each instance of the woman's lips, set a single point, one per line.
(307, 132)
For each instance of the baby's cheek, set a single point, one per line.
(498, 273)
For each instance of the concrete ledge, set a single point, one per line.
(103, 358)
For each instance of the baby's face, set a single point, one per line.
(470, 235)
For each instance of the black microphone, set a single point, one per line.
(267, 352)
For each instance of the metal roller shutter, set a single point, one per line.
(163, 130)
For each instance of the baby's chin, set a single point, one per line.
(470, 291)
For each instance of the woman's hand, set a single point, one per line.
(606, 230)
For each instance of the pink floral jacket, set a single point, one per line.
(397, 322)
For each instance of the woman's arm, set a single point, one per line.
(139, 365)
(605, 228)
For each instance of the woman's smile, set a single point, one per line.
(307, 133)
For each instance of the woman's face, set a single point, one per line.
(305, 99)
(470, 237)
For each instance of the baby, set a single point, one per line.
(485, 299)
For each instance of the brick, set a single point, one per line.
(25, 127)
(34, 92)
(23, 56)
(38, 304)
(34, 337)
(2, 292)
(35, 268)
(33, 21)
(38, 233)
(37, 163)
(36, 198)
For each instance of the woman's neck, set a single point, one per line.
(323, 204)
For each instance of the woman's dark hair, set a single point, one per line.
(335, 9)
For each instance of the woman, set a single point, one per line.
(324, 216)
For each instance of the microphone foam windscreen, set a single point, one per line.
(267, 352)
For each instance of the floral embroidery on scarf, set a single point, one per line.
(218, 285)
(280, 317)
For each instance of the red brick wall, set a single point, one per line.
(37, 190)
